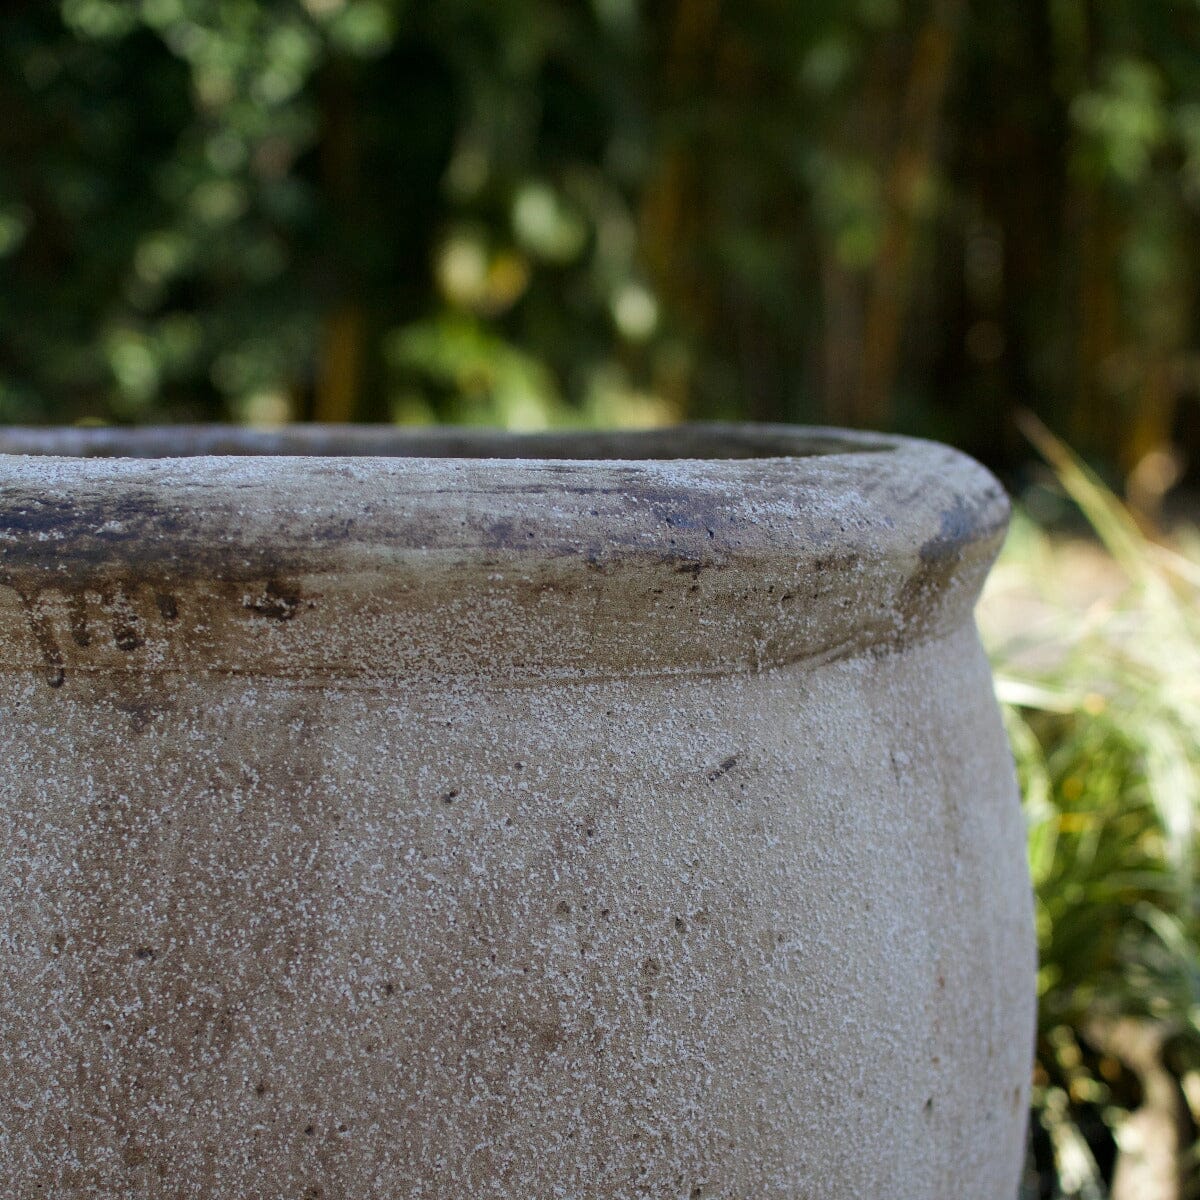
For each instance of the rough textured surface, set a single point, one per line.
(394, 828)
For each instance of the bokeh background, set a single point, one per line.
(974, 220)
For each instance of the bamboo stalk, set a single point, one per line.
(888, 291)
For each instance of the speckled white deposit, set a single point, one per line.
(376, 829)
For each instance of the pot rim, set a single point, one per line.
(372, 551)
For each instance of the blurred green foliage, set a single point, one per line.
(1101, 685)
(900, 213)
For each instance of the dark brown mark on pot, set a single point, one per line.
(723, 768)
(81, 635)
(43, 634)
(142, 711)
(125, 634)
(548, 1038)
(825, 564)
(277, 602)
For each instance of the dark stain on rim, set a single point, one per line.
(110, 557)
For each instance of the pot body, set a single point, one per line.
(471, 927)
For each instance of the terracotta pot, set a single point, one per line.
(520, 826)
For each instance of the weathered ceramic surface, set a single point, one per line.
(527, 827)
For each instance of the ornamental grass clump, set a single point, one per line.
(1097, 660)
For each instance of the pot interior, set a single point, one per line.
(697, 441)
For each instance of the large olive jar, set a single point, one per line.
(458, 816)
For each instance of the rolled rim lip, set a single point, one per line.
(788, 486)
(663, 541)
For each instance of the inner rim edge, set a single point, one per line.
(714, 441)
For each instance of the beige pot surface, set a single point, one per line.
(459, 815)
